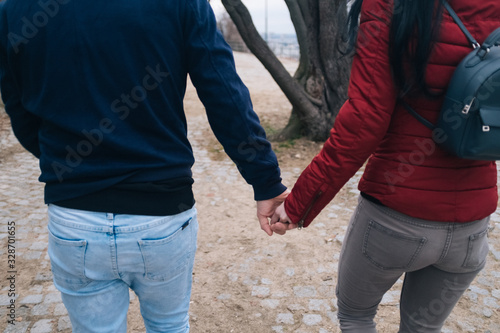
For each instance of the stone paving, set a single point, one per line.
(38, 304)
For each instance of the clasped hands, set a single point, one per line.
(272, 215)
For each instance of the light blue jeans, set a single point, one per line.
(97, 257)
(439, 261)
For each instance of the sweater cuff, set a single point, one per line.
(268, 192)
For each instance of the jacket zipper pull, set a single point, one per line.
(303, 219)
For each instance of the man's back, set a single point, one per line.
(103, 84)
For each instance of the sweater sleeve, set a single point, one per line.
(361, 123)
(227, 101)
(25, 125)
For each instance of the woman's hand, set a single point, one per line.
(280, 222)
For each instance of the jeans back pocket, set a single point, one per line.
(164, 258)
(477, 250)
(389, 249)
(67, 260)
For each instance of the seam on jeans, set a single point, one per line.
(349, 230)
(354, 219)
(447, 244)
(114, 255)
(360, 207)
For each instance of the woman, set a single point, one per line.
(422, 212)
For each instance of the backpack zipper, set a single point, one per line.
(467, 107)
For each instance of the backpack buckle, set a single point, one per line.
(486, 128)
(483, 52)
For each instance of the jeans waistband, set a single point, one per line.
(108, 222)
(420, 222)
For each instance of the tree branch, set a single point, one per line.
(300, 26)
(290, 87)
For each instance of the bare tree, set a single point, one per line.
(319, 86)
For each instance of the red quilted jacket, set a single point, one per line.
(405, 170)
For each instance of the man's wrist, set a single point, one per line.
(268, 192)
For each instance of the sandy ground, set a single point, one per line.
(247, 282)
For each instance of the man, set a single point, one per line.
(94, 89)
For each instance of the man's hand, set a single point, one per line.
(266, 208)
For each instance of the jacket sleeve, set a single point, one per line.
(361, 123)
(227, 101)
(25, 125)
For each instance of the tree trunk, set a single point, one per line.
(318, 88)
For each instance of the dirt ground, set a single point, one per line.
(248, 282)
(234, 243)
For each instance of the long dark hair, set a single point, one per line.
(414, 27)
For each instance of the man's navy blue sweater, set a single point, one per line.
(95, 90)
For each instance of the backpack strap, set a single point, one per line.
(459, 22)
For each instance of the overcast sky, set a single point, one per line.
(278, 15)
